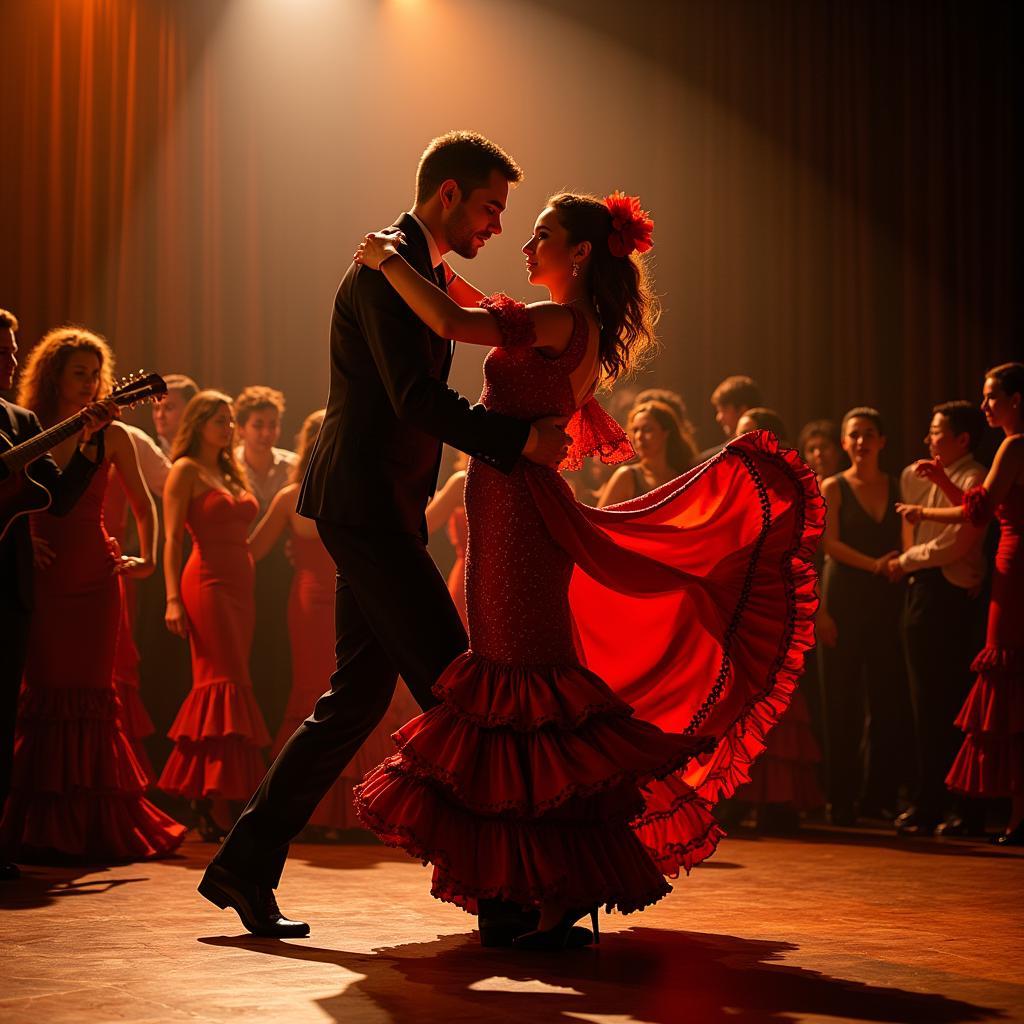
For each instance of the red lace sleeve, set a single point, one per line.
(594, 432)
(977, 506)
(514, 322)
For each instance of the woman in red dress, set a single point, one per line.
(311, 632)
(991, 761)
(609, 649)
(219, 731)
(78, 787)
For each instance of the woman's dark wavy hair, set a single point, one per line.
(619, 286)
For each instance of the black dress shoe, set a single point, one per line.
(960, 828)
(255, 904)
(565, 934)
(9, 872)
(501, 923)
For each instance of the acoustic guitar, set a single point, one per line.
(20, 493)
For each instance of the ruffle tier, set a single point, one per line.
(506, 807)
(990, 762)
(231, 767)
(77, 786)
(218, 710)
(87, 826)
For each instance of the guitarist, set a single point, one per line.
(16, 547)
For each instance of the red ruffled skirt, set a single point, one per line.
(218, 736)
(990, 762)
(78, 787)
(523, 784)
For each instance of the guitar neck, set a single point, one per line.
(19, 457)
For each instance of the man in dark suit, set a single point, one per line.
(369, 479)
(18, 425)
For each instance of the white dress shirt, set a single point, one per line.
(265, 486)
(955, 548)
(435, 253)
(153, 462)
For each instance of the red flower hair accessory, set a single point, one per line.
(631, 226)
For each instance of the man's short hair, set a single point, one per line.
(181, 385)
(964, 418)
(256, 397)
(8, 321)
(468, 158)
(739, 391)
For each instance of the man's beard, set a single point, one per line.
(460, 236)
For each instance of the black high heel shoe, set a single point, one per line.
(206, 828)
(565, 934)
(1015, 837)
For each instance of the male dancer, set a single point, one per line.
(369, 479)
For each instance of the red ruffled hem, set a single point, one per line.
(677, 827)
(995, 705)
(214, 711)
(493, 695)
(989, 766)
(524, 862)
(71, 741)
(230, 767)
(747, 737)
(86, 826)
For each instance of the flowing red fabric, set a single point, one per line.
(625, 665)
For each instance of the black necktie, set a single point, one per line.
(441, 277)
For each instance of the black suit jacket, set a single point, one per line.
(377, 457)
(65, 489)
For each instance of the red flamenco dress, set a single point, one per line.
(312, 633)
(609, 649)
(134, 717)
(990, 762)
(78, 787)
(219, 731)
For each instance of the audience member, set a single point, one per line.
(258, 412)
(167, 413)
(865, 701)
(663, 452)
(77, 789)
(760, 418)
(820, 446)
(447, 508)
(944, 612)
(219, 730)
(731, 399)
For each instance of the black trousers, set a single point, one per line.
(943, 628)
(393, 616)
(14, 621)
(869, 746)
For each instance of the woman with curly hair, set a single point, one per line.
(77, 785)
(625, 663)
(219, 731)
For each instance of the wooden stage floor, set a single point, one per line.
(832, 926)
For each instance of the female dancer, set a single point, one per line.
(991, 761)
(77, 783)
(311, 631)
(219, 730)
(664, 452)
(524, 783)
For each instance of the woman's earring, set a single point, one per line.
(575, 270)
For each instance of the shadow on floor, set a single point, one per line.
(39, 887)
(645, 974)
